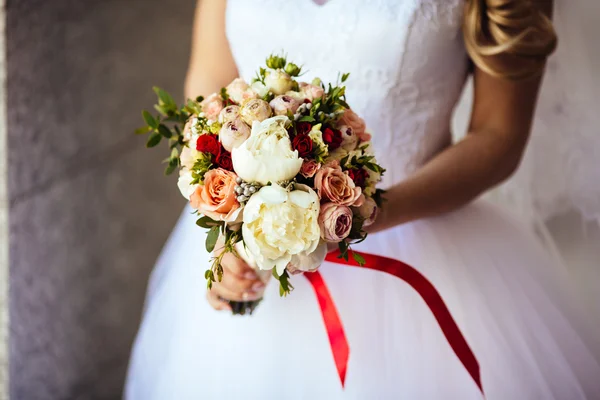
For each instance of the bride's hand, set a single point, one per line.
(240, 282)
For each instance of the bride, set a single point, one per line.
(408, 60)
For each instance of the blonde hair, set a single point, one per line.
(509, 39)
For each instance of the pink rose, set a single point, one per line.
(357, 124)
(335, 222)
(229, 113)
(311, 92)
(234, 133)
(239, 91)
(212, 106)
(368, 211)
(216, 198)
(336, 185)
(349, 138)
(309, 168)
(282, 104)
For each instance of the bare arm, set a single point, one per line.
(211, 63)
(498, 131)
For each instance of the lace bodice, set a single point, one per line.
(406, 60)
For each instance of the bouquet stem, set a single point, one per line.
(243, 307)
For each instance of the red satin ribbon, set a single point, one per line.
(335, 329)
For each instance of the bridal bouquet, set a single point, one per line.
(277, 168)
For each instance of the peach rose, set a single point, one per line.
(216, 198)
(335, 222)
(212, 106)
(336, 185)
(357, 124)
(309, 168)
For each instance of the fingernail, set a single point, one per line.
(257, 286)
(250, 275)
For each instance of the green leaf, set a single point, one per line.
(170, 169)
(345, 76)
(142, 130)
(206, 222)
(306, 118)
(358, 258)
(174, 153)
(152, 123)
(211, 238)
(165, 97)
(153, 140)
(163, 130)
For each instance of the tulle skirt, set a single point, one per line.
(513, 304)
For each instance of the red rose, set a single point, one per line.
(332, 138)
(303, 127)
(303, 144)
(359, 176)
(208, 144)
(223, 160)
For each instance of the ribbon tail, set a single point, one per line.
(333, 324)
(427, 292)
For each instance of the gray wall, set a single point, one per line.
(89, 206)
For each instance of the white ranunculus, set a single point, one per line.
(267, 155)
(184, 183)
(278, 81)
(281, 225)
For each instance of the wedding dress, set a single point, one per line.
(512, 302)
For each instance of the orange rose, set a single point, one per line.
(216, 198)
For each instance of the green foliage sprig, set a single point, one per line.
(168, 125)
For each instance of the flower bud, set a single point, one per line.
(275, 62)
(292, 69)
(229, 113)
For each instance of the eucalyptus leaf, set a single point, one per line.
(170, 169)
(142, 130)
(165, 98)
(206, 222)
(306, 118)
(358, 258)
(152, 123)
(211, 238)
(163, 130)
(153, 140)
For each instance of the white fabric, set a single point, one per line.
(510, 299)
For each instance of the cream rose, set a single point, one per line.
(335, 222)
(335, 185)
(282, 104)
(229, 113)
(368, 211)
(349, 138)
(278, 82)
(212, 106)
(280, 227)
(239, 91)
(267, 155)
(255, 110)
(216, 198)
(233, 134)
(311, 92)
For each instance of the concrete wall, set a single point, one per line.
(89, 206)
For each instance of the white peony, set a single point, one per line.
(278, 82)
(267, 155)
(184, 183)
(282, 227)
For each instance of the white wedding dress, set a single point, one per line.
(512, 302)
